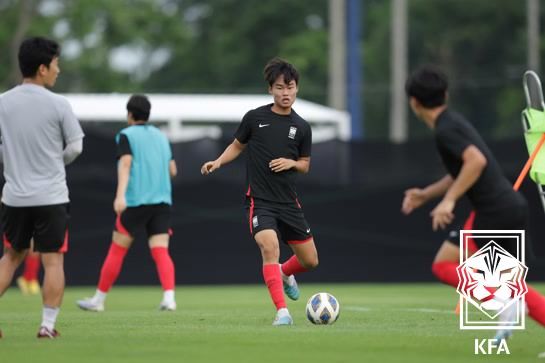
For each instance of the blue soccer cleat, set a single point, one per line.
(290, 288)
(283, 317)
(503, 334)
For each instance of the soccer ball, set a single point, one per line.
(323, 308)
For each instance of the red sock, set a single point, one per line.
(32, 267)
(273, 280)
(536, 305)
(165, 267)
(445, 271)
(111, 267)
(292, 266)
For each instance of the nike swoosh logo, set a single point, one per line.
(308, 230)
(263, 125)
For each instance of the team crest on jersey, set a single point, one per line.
(293, 131)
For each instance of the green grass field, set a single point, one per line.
(378, 323)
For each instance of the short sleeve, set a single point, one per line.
(453, 140)
(123, 146)
(71, 128)
(305, 147)
(244, 131)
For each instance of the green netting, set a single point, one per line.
(536, 122)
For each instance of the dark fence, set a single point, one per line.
(351, 198)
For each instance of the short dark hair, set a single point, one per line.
(277, 67)
(139, 106)
(36, 51)
(428, 84)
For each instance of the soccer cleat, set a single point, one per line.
(46, 333)
(290, 288)
(282, 318)
(167, 306)
(23, 285)
(90, 305)
(506, 316)
(33, 287)
(503, 334)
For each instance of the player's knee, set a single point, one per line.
(310, 263)
(269, 250)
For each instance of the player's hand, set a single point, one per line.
(281, 164)
(442, 215)
(120, 204)
(210, 167)
(413, 199)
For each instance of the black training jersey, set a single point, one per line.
(453, 134)
(271, 136)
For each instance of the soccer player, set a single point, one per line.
(279, 143)
(35, 124)
(473, 171)
(28, 281)
(143, 199)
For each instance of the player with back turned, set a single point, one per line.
(472, 171)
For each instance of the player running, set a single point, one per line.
(143, 199)
(35, 125)
(472, 171)
(279, 144)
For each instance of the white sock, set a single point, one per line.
(49, 317)
(284, 276)
(282, 312)
(99, 297)
(168, 296)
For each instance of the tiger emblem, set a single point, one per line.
(492, 279)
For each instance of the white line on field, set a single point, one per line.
(413, 310)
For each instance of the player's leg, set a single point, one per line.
(51, 241)
(267, 240)
(17, 230)
(8, 264)
(158, 244)
(53, 292)
(109, 272)
(304, 258)
(296, 233)
(445, 263)
(28, 282)
(158, 230)
(447, 258)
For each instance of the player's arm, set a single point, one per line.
(439, 188)
(72, 151)
(416, 197)
(301, 165)
(123, 172)
(172, 168)
(473, 164)
(124, 154)
(231, 153)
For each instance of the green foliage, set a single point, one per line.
(221, 46)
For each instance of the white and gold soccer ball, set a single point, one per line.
(323, 308)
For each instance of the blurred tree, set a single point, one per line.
(221, 46)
